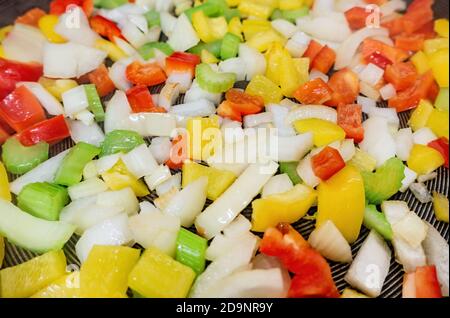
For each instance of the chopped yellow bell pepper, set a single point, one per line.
(420, 61)
(289, 76)
(325, 132)
(420, 115)
(433, 45)
(441, 27)
(363, 161)
(5, 194)
(26, 279)
(264, 87)
(235, 27)
(2, 250)
(424, 160)
(287, 207)
(440, 205)
(118, 178)
(309, 3)
(218, 180)
(114, 52)
(209, 29)
(233, 3)
(439, 65)
(252, 27)
(4, 31)
(255, 9)
(290, 4)
(2, 52)
(341, 199)
(57, 87)
(68, 286)
(208, 57)
(438, 122)
(157, 275)
(105, 272)
(351, 293)
(302, 66)
(274, 56)
(197, 129)
(262, 41)
(47, 26)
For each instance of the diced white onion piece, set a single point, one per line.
(424, 136)
(113, 231)
(126, 47)
(408, 256)
(184, 79)
(47, 100)
(317, 74)
(312, 111)
(298, 44)
(168, 22)
(200, 108)
(183, 35)
(74, 26)
(390, 114)
(239, 225)
(255, 62)
(392, 6)
(173, 182)
(90, 170)
(388, 91)
(86, 117)
(404, 143)
(410, 177)
(196, 93)
(24, 43)
(168, 95)
(427, 177)
(91, 134)
(347, 149)
(153, 124)
(329, 242)
(257, 119)
(279, 115)
(87, 188)
(284, 27)
(412, 229)
(294, 148)
(322, 7)
(160, 149)
(161, 174)
(277, 184)
(140, 161)
(394, 210)
(366, 103)
(370, 266)
(133, 34)
(118, 76)
(124, 198)
(234, 65)
(306, 172)
(120, 14)
(421, 193)
(75, 100)
(105, 163)
(139, 21)
(147, 207)
(371, 74)
(324, 28)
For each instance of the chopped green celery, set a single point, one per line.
(441, 102)
(231, 13)
(19, 159)
(276, 14)
(230, 46)
(109, 4)
(212, 81)
(71, 170)
(213, 47)
(147, 51)
(210, 8)
(43, 200)
(290, 168)
(290, 15)
(120, 141)
(191, 250)
(375, 220)
(153, 18)
(385, 182)
(95, 104)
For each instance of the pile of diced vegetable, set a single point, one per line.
(158, 210)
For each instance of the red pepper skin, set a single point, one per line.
(350, 119)
(441, 145)
(427, 283)
(418, 14)
(379, 60)
(31, 17)
(324, 60)
(21, 109)
(141, 100)
(149, 74)
(51, 131)
(313, 49)
(402, 75)
(12, 72)
(244, 103)
(370, 46)
(5, 132)
(345, 86)
(315, 91)
(58, 7)
(327, 163)
(105, 28)
(226, 110)
(356, 17)
(100, 78)
(410, 42)
(182, 62)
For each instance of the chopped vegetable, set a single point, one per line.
(375, 220)
(149, 74)
(423, 283)
(327, 163)
(212, 81)
(95, 104)
(290, 168)
(5, 193)
(191, 250)
(440, 206)
(120, 141)
(50, 131)
(315, 91)
(424, 159)
(119, 177)
(324, 132)
(19, 159)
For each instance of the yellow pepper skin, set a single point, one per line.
(440, 205)
(288, 207)
(420, 61)
(208, 57)
(2, 52)
(105, 272)
(157, 275)
(57, 87)
(363, 161)
(4, 31)
(274, 57)
(196, 128)
(290, 4)
(255, 9)
(5, 194)
(26, 279)
(302, 66)
(235, 27)
(325, 132)
(420, 115)
(438, 122)
(252, 27)
(208, 29)
(289, 76)
(351, 293)
(47, 26)
(118, 178)
(262, 41)
(233, 3)
(2, 250)
(433, 45)
(424, 159)
(68, 286)
(439, 65)
(441, 27)
(341, 199)
(264, 87)
(113, 51)
(218, 180)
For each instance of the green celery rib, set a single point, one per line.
(19, 159)
(213, 82)
(147, 51)
(120, 141)
(290, 168)
(191, 250)
(95, 104)
(230, 46)
(375, 220)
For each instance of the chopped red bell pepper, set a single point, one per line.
(31, 17)
(178, 152)
(12, 72)
(345, 86)
(105, 28)
(100, 78)
(180, 62)
(226, 110)
(423, 283)
(427, 30)
(410, 97)
(350, 119)
(58, 7)
(327, 163)
(418, 14)
(441, 145)
(312, 270)
(244, 103)
(402, 75)
(377, 2)
(148, 74)
(324, 60)
(315, 91)
(379, 60)
(370, 46)
(395, 26)
(141, 100)
(357, 17)
(51, 131)
(409, 42)
(5, 131)
(313, 49)
(433, 92)
(21, 109)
